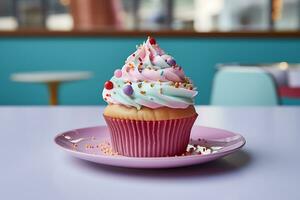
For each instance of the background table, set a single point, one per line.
(33, 167)
(52, 79)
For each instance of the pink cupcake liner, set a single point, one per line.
(137, 138)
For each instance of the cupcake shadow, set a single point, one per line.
(229, 164)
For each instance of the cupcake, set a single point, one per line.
(150, 110)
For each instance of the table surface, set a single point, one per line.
(33, 167)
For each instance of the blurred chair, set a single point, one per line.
(244, 87)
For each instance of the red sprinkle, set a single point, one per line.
(152, 41)
(133, 55)
(140, 59)
(108, 85)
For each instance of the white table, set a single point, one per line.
(33, 167)
(52, 79)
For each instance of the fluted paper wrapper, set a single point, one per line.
(137, 138)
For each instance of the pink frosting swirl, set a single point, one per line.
(150, 78)
(150, 63)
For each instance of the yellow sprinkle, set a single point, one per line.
(160, 90)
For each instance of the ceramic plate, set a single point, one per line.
(93, 144)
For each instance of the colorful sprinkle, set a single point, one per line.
(161, 73)
(152, 85)
(118, 73)
(152, 41)
(160, 90)
(151, 56)
(140, 85)
(128, 90)
(108, 85)
(186, 79)
(171, 62)
(143, 92)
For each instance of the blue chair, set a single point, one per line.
(238, 86)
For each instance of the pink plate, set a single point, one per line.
(88, 143)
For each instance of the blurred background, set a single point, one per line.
(62, 51)
(198, 15)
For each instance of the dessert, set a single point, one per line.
(150, 109)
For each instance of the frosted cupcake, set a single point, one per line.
(150, 111)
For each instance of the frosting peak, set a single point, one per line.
(150, 78)
(149, 62)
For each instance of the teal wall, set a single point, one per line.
(102, 56)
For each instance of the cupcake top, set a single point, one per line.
(150, 78)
